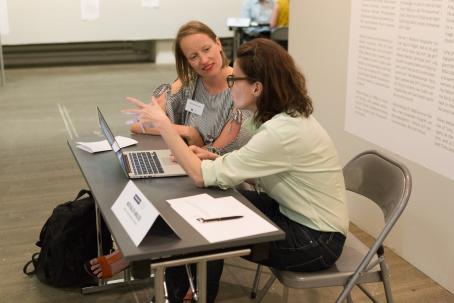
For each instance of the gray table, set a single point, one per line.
(106, 180)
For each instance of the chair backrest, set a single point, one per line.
(385, 182)
(381, 179)
(279, 34)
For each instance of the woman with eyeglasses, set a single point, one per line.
(290, 158)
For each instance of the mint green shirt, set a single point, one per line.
(296, 164)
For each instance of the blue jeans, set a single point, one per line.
(303, 249)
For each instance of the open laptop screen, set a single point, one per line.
(111, 139)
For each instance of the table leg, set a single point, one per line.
(201, 262)
(159, 293)
(2, 67)
(202, 281)
(99, 237)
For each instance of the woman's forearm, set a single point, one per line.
(184, 156)
(228, 134)
(189, 133)
(274, 16)
(139, 128)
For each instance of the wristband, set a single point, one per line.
(214, 150)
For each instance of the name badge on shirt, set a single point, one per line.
(194, 107)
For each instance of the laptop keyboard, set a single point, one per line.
(146, 163)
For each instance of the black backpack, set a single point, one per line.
(67, 240)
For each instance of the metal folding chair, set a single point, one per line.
(383, 181)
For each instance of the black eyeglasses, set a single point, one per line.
(231, 80)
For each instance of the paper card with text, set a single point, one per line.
(194, 107)
(135, 212)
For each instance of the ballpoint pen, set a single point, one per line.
(218, 219)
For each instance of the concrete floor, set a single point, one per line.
(40, 109)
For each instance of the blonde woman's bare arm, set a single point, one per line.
(274, 15)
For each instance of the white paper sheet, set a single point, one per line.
(238, 22)
(150, 3)
(4, 21)
(204, 206)
(99, 146)
(89, 9)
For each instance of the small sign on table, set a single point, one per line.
(135, 212)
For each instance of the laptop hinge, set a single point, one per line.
(128, 165)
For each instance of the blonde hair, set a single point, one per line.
(184, 70)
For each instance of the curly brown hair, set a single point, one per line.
(184, 70)
(284, 86)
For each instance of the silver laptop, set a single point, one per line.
(141, 164)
